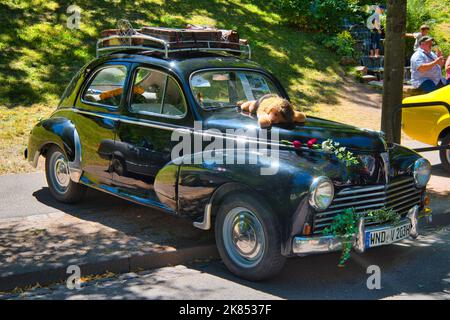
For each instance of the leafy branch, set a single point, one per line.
(344, 226)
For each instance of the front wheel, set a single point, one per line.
(57, 173)
(248, 238)
(445, 154)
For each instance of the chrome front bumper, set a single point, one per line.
(321, 244)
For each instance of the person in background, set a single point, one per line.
(447, 69)
(426, 67)
(424, 31)
(374, 25)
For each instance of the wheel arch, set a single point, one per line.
(443, 133)
(62, 133)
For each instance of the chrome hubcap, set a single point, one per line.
(243, 237)
(60, 175)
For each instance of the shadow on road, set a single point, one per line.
(128, 218)
(408, 267)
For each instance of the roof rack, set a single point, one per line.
(129, 38)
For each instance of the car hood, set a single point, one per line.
(351, 137)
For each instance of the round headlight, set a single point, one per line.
(422, 172)
(321, 193)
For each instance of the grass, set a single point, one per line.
(40, 54)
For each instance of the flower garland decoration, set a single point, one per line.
(328, 146)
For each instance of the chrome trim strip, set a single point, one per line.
(361, 189)
(360, 243)
(404, 180)
(393, 204)
(343, 205)
(411, 190)
(356, 208)
(408, 205)
(413, 216)
(412, 194)
(206, 223)
(359, 196)
(173, 127)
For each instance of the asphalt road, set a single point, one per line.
(27, 194)
(409, 270)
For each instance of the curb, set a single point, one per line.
(120, 265)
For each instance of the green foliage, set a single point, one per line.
(342, 43)
(383, 215)
(417, 14)
(320, 15)
(341, 152)
(344, 226)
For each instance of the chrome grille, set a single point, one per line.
(400, 195)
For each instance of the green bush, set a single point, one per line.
(320, 15)
(342, 43)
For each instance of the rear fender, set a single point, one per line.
(62, 133)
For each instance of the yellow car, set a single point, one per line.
(426, 118)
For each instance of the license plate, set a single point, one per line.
(386, 236)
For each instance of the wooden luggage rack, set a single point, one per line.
(126, 37)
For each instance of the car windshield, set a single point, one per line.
(224, 88)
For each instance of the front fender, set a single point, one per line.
(282, 190)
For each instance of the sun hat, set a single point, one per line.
(425, 39)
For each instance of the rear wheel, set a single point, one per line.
(57, 173)
(445, 154)
(248, 238)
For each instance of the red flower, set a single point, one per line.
(297, 144)
(311, 143)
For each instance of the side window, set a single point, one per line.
(107, 86)
(173, 100)
(156, 93)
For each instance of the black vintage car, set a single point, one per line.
(113, 131)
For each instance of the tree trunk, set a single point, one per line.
(394, 60)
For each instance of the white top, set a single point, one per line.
(417, 36)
